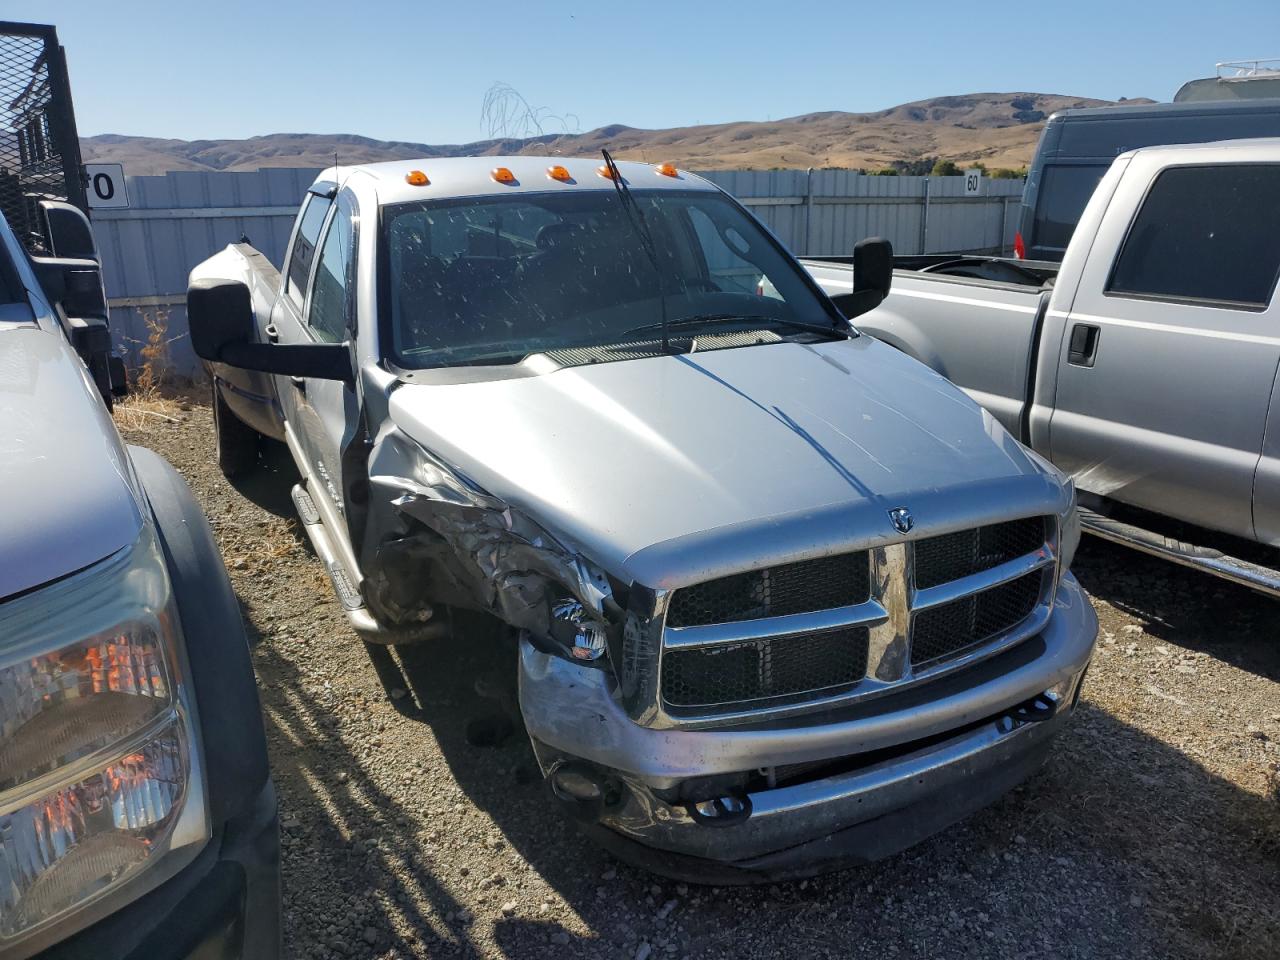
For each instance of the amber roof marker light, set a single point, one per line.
(560, 173)
(416, 178)
(504, 175)
(667, 170)
(606, 171)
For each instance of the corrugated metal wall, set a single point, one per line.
(176, 220)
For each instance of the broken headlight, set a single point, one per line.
(583, 637)
(99, 771)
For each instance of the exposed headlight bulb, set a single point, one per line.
(587, 639)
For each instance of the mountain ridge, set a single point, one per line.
(996, 129)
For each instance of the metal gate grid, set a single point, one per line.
(39, 152)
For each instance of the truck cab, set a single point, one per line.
(1145, 364)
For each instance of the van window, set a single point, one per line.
(304, 245)
(1205, 234)
(327, 312)
(1064, 193)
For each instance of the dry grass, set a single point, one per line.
(143, 412)
(255, 550)
(154, 396)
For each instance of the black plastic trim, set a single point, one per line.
(235, 746)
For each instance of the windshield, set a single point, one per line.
(492, 279)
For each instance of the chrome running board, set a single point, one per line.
(344, 584)
(1215, 562)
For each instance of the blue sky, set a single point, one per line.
(419, 71)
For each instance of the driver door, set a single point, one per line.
(324, 413)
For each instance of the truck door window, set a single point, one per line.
(1064, 193)
(725, 255)
(304, 246)
(328, 309)
(1204, 235)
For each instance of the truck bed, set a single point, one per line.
(975, 320)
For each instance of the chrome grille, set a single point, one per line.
(803, 587)
(954, 627)
(955, 555)
(819, 632)
(774, 670)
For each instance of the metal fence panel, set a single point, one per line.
(181, 218)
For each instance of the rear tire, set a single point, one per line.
(238, 443)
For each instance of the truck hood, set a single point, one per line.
(667, 470)
(67, 495)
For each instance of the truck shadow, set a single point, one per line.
(1183, 607)
(1093, 835)
(406, 829)
(268, 485)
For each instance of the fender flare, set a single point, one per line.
(222, 678)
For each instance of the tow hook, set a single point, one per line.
(1039, 708)
(722, 811)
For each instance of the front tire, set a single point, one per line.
(238, 443)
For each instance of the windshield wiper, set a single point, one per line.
(714, 319)
(641, 227)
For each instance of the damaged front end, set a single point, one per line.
(434, 539)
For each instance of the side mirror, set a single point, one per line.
(67, 231)
(872, 277)
(223, 330)
(75, 284)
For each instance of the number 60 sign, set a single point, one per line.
(106, 187)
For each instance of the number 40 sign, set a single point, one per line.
(106, 186)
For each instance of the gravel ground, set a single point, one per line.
(1154, 831)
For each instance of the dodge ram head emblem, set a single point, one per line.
(901, 518)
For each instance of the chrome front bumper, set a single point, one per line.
(972, 752)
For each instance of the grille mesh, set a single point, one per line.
(955, 555)
(34, 156)
(948, 629)
(801, 587)
(765, 672)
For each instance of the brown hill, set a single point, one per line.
(999, 129)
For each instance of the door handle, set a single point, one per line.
(273, 334)
(1083, 348)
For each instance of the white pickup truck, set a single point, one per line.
(778, 597)
(1146, 366)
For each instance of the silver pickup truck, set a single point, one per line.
(1146, 366)
(137, 813)
(778, 597)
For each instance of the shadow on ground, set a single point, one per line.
(1185, 608)
(1122, 846)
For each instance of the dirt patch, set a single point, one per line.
(1154, 830)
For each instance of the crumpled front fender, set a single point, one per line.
(433, 537)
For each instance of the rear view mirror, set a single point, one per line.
(67, 231)
(223, 330)
(872, 277)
